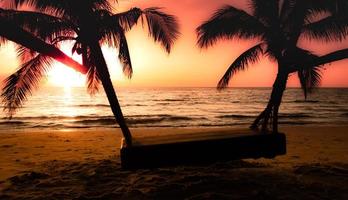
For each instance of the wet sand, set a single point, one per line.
(84, 164)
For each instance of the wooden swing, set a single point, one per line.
(200, 148)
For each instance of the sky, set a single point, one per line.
(187, 65)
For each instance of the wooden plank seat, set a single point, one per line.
(200, 148)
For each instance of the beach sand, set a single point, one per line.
(85, 164)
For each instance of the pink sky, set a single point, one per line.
(188, 65)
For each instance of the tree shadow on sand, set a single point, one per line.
(104, 179)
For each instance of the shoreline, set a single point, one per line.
(284, 126)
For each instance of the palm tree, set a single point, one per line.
(24, 38)
(279, 25)
(88, 23)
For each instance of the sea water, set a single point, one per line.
(67, 108)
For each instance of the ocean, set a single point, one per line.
(71, 108)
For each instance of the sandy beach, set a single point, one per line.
(85, 164)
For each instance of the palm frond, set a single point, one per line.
(64, 7)
(21, 84)
(45, 26)
(113, 34)
(241, 63)
(25, 54)
(75, 46)
(109, 28)
(109, 35)
(128, 19)
(163, 28)
(331, 6)
(310, 78)
(3, 40)
(332, 28)
(62, 38)
(341, 8)
(226, 23)
(286, 9)
(124, 56)
(266, 11)
(93, 79)
(293, 19)
(22, 37)
(293, 15)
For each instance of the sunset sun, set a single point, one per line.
(63, 76)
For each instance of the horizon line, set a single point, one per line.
(236, 87)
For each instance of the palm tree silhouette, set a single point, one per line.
(279, 25)
(89, 23)
(26, 39)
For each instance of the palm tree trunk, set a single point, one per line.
(322, 60)
(24, 38)
(272, 108)
(109, 90)
(331, 57)
(88, 25)
(279, 88)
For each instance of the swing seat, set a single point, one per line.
(200, 148)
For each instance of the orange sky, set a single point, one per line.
(188, 65)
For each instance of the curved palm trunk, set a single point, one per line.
(24, 38)
(279, 86)
(272, 108)
(331, 57)
(109, 90)
(322, 60)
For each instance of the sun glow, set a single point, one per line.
(63, 76)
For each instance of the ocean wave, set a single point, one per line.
(236, 116)
(135, 119)
(93, 105)
(162, 104)
(297, 122)
(178, 118)
(282, 115)
(137, 104)
(158, 115)
(170, 100)
(223, 125)
(344, 114)
(100, 121)
(306, 101)
(60, 126)
(11, 122)
(93, 117)
(157, 119)
(344, 110)
(294, 115)
(36, 118)
(112, 121)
